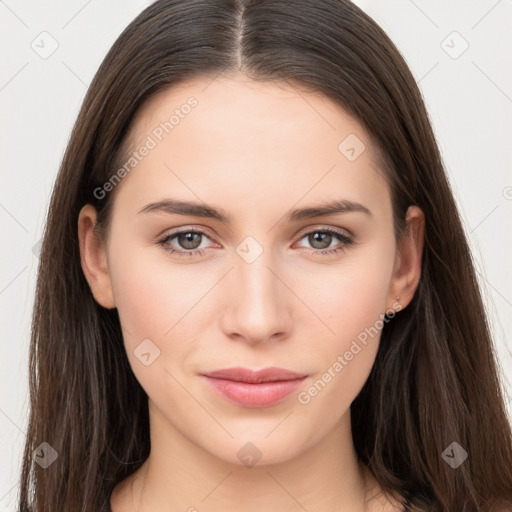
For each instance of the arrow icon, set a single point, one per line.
(45, 455)
(351, 147)
(454, 45)
(454, 455)
(146, 352)
(249, 253)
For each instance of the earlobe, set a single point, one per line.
(93, 258)
(407, 271)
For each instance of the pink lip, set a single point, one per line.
(250, 388)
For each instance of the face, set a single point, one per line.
(265, 281)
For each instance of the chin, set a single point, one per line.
(258, 450)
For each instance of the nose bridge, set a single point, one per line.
(258, 306)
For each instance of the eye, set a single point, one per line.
(322, 239)
(189, 242)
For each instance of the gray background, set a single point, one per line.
(468, 92)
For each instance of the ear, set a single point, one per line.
(93, 258)
(407, 271)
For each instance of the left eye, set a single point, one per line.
(324, 238)
(189, 241)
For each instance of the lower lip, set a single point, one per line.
(263, 394)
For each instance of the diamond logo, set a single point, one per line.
(454, 45)
(454, 455)
(249, 455)
(146, 352)
(249, 249)
(351, 147)
(45, 455)
(45, 45)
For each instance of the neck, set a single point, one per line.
(179, 475)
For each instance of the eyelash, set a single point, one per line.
(345, 241)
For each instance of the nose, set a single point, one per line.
(257, 304)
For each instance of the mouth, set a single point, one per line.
(254, 389)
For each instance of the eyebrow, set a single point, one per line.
(173, 206)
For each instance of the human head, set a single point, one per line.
(337, 51)
(257, 295)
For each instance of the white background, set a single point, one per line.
(469, 99)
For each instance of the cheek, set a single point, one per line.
(151, 294)
(352, 305)
(342, 366)
(354, 296)
(155, 301)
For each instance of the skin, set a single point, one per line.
(270, 148)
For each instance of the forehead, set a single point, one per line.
(232, 137)
(237, 106)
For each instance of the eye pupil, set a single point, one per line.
(323, 238)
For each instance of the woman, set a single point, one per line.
(255, 288)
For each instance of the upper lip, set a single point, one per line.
(270, 374)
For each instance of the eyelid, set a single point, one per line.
(323, 227)
(202, 230)
(300, 234)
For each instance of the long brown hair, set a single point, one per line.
(435, 379)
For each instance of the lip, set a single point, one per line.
(250, 388)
